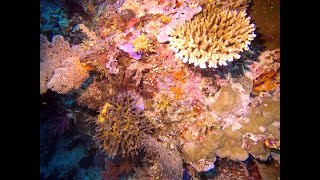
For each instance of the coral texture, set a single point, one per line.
(51, 57)
(121, 126)
(68, 77)
(170, 161)
(213, 37)
(142, 43)
(86, 33)
(182, 14)
(150, 83)
(234, 4)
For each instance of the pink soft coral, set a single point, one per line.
(129, 49)
(193, 88)
(68, 77)
(182, 14)
(51, 57)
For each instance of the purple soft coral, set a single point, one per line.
(129, 49)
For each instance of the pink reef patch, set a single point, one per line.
(129, 49)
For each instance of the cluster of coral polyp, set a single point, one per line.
(213, 37)
(60, 67)
(121, 126)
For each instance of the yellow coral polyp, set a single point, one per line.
(100, 119)
(142, 43)
(214, 37)
(165, 19)
(120, 126)
(105, 107)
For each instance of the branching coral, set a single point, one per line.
(213, 37)
(120, 127)
(199, 115)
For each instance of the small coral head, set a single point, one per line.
(120, 127)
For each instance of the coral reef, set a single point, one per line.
(129, 48)
(170, 161)
(100, 56)
(234, 4)
(94, 96)
(84, 32)
(142, 43)
(220, 143)
(178, 17)
(244, 136)
(136, 69)
(121, 126)
(228, 100)
(69, 76)
(51, 57)
(267, 72)
(213, 37)
(137, 79)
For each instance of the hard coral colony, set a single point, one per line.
(121, 126)
(158, 78)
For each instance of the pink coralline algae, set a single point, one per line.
(182, 14)
(112, 66)
(130, 49)
(193, 88)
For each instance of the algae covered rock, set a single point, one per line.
(260, 126)
(231, 145)
(193, 152)
(264, 118)
(228, 100)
